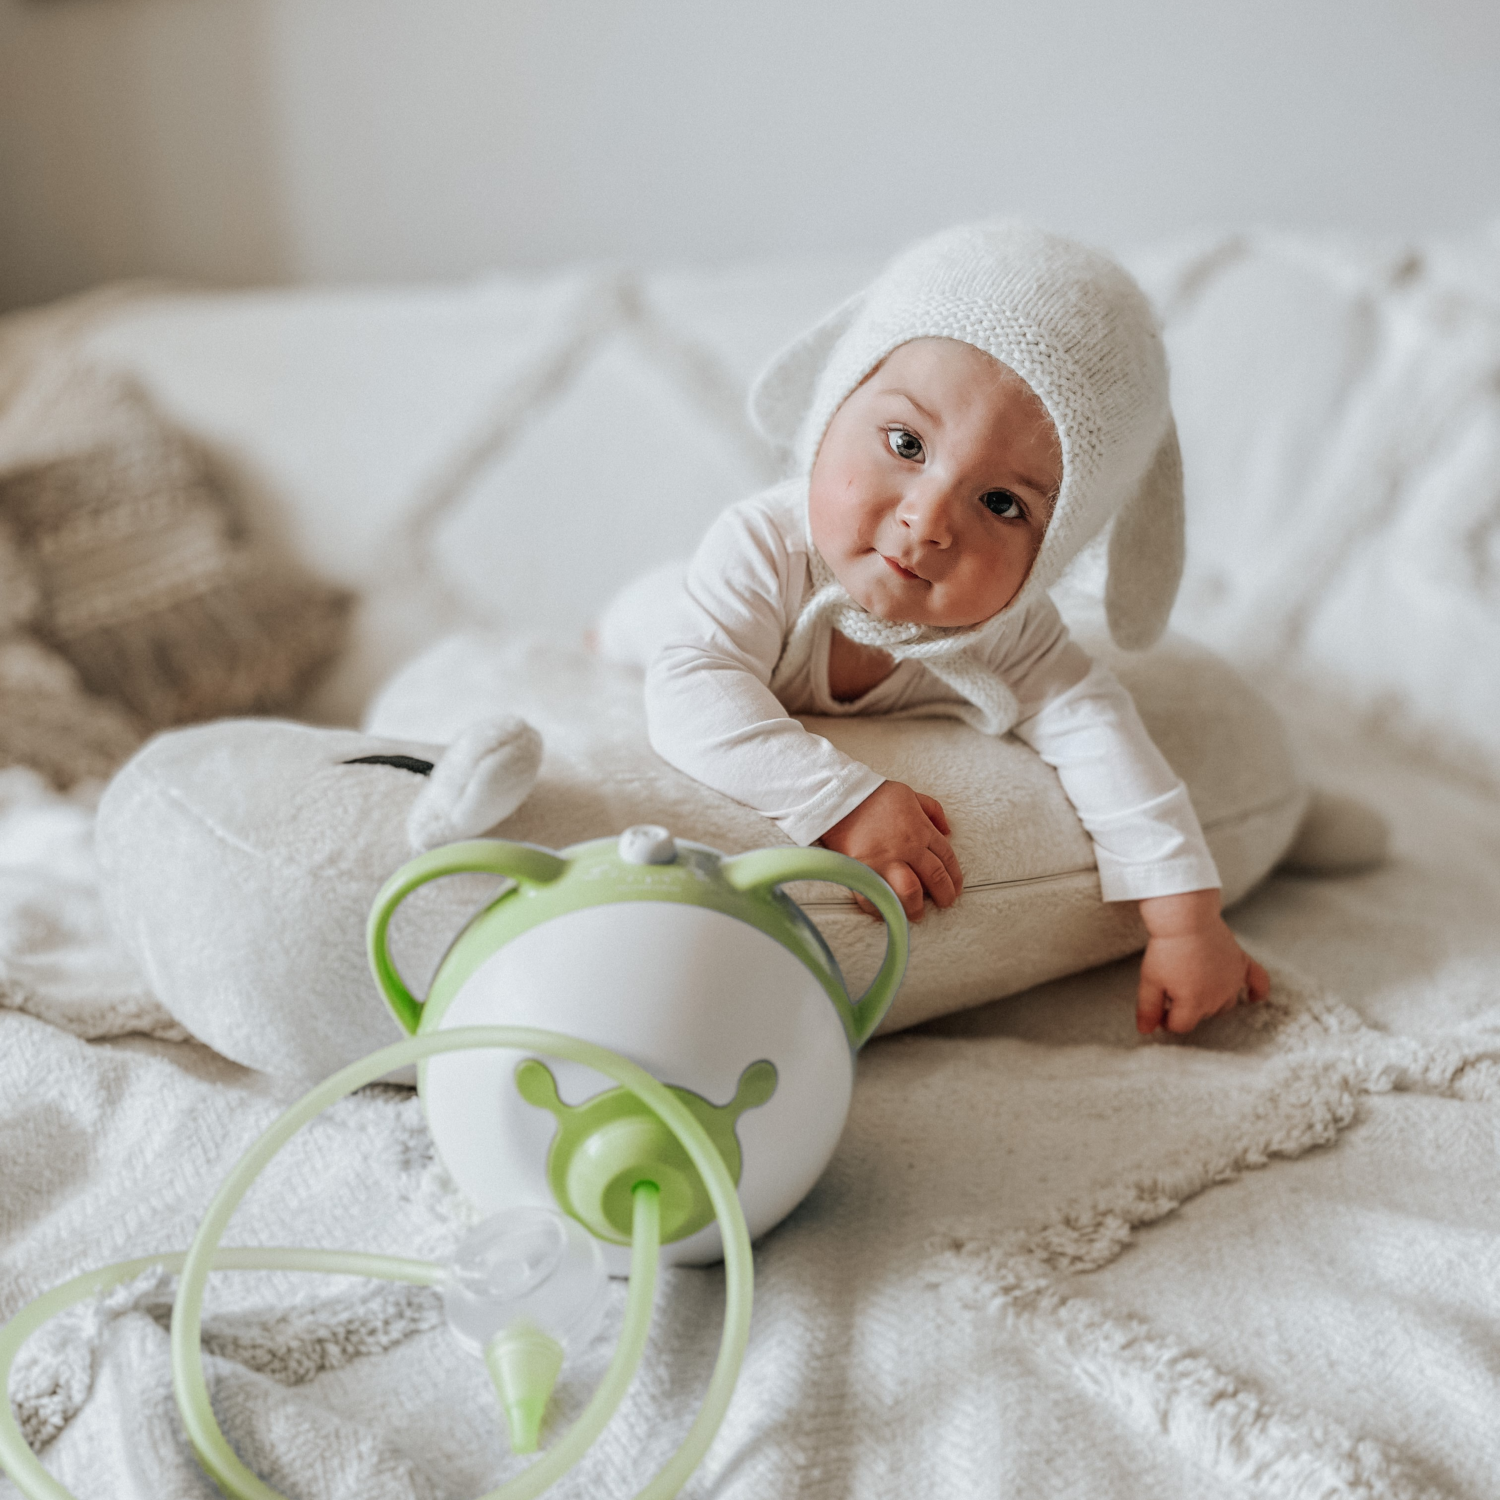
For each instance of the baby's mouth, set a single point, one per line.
(896, 567)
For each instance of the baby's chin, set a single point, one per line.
(881, 599)
(896, 601)
(894, 606)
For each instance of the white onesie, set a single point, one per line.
(721, 692)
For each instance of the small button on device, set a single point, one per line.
(647, 844)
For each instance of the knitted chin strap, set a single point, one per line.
(945, 651)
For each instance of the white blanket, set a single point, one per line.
(1049, 1259)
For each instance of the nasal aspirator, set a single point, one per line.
(639, 1050)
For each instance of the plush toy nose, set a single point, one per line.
(479, 781)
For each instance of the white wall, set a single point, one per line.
(250, 140)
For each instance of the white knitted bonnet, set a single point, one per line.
(1079, 331)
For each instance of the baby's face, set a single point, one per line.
(934, 484)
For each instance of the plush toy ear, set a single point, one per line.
(1146, 550)
(479, 781)
(783, 392)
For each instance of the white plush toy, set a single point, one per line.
(239, 861)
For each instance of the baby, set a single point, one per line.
(960, 429)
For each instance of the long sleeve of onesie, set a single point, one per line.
(1146, 835)
(709, 708)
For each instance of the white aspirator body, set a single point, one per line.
(689, 994)
(691, 965)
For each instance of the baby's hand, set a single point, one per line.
(1192, 967)
(902, 836)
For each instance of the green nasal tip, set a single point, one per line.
(524, 1363)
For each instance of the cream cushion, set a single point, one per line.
(1031, 909)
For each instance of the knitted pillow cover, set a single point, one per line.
(50, 723)
(47, 720)
(141, 581)
(1031, 909)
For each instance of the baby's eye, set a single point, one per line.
(1003, 504)
(904, 444)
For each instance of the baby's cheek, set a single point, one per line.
(977, 589)
(826, 514)
(844, 523)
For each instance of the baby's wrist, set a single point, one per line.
(1181, 915)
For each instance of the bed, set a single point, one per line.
(1050, 1258)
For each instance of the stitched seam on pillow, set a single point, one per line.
(1086, 872)
(1260, 810)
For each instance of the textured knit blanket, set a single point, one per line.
(1048, 1259)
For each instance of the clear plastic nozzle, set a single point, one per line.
(525, 1289)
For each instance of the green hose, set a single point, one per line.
(213, 1449)
(16, 1457)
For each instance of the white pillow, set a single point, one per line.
(1340, 423)
(1031, 909)
(579, 498)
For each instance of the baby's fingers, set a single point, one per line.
(934, 810)
(937, 877)
(1258, 981)
(950, 878)
(1150, 1006)
(907, 886)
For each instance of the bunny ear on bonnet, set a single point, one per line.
(783, 394)
(1146, 551)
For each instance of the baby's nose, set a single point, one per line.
(927, 512)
